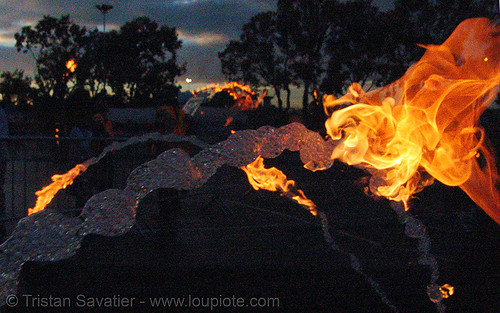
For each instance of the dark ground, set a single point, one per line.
(228, 240)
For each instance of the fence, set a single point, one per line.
(32, 161)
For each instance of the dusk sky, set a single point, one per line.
(204, 26)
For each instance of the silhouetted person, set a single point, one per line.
(79, 151)
(102, 178)
(316, 117)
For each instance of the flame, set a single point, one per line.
(233, 88)
(71, 65)
(260, 99)
(273, 179)
(425, 125)
(241, 93)
(446, 291)
(47, 193)
(229, 120)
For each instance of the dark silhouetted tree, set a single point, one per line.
(303, 27)
(256, 59)
(427, 22)
(141, 67)
(357, 47)
(16, 89)
(142, 62)
(375, 48)
(432, 21)
(52, 43)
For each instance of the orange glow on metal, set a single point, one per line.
(47, 193)
(425, 125)
(272, 179)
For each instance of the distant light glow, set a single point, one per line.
(201, 39)
(184, 2)
(6, 40)
(71, 65)
(7, 32)
(188, 80)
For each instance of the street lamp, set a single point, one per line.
(104, 8)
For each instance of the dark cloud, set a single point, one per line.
(10, 60)
(224, 17)
(203, 65)
(205, 26)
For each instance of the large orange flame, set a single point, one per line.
(427, 122)
(272, 179)
(47, 193)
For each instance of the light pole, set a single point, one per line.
(104, 8)
(498, 12)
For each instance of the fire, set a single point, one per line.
(259, 100)
(447, 290)
(241, 93)
(425, 126)
(71, 65)
(273, 179)
(47, 193)
(229, 120)
(233, 88)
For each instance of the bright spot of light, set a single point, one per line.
(188, 80)
(71, 65)
(201, 39)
